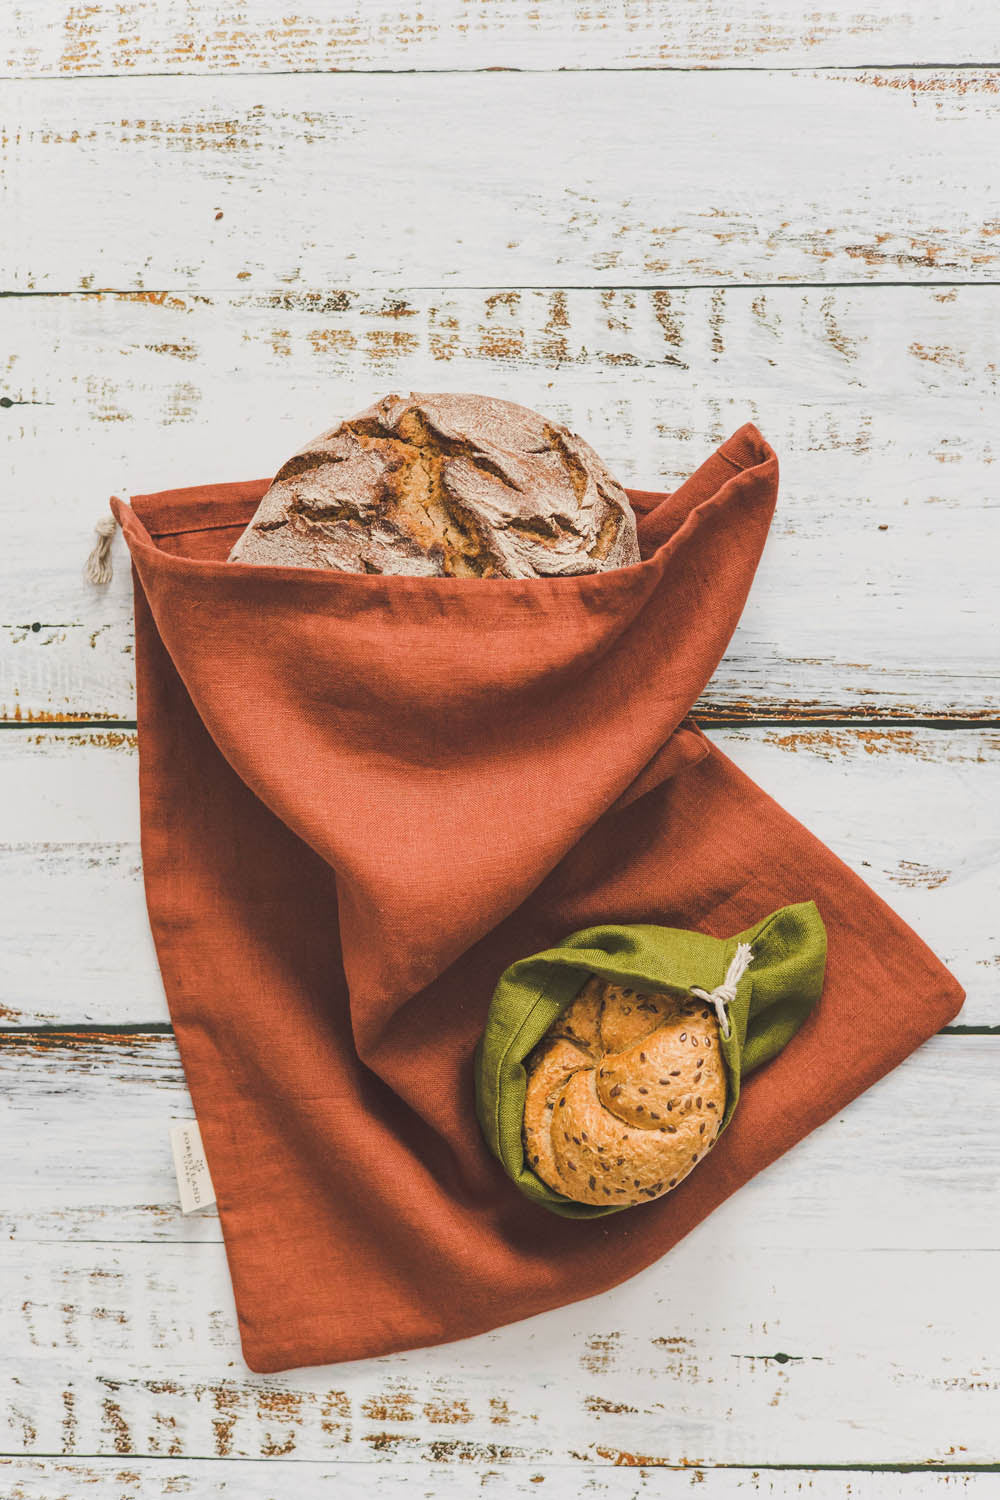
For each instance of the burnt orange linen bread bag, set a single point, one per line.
(362, 798)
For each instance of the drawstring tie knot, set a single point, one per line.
(722, 997)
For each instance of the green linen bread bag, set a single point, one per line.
(611, 1063)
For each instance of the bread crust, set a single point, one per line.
(625, 1094)
(444, 485)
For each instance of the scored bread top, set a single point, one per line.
(450, 484)
(625, 1094)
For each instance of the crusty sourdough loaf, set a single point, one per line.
(625, 1094)
(450, 484)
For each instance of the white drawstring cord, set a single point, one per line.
(98, 566)
(725, 993)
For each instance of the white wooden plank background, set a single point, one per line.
(607, 179)
(860, 1183)
(680, 1368)
(671, 219)
(201, 37)
(914, 811)
(881, 402)
(817, 1318)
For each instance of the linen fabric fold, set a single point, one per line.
(772, 1000)
(362, 799)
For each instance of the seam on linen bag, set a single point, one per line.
(193, 530)
(749, 973)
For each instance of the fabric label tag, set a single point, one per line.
(193, 1181)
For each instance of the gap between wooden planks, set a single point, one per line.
(212, 1479)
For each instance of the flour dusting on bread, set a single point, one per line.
(451, 484)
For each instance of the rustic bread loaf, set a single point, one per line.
(625, 1094)
(446, 484)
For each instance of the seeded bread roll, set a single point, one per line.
(625, 1094)
(450, 484)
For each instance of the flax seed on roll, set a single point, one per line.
(625, 1094)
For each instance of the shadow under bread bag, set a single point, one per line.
(362, 799)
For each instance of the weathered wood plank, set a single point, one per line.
(518, 178)
(277, 1478)
(910, 1165)
(719, 1354)
(916, 812)
(877, 592)
(59, 38)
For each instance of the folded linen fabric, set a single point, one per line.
(362, 799)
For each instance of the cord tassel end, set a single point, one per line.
(98, 567)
